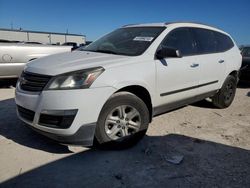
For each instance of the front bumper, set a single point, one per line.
(87, 102)
(83, 136)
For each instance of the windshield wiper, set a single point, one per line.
(101, 51)
(105, 51)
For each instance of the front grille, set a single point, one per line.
(26, 114)
(33, 82)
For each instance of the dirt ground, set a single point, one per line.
(214, 144)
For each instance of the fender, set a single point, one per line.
(141, 83)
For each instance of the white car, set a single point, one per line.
(109, 91)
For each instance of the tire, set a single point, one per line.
(226, 94)
(123, 121)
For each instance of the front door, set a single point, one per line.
(178, 78)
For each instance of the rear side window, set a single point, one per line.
(224, 42)
(208, 41)
(180, 39)
(205, 41)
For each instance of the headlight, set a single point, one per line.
(75, 80)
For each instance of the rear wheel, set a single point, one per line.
(226, 94)
(123, 121)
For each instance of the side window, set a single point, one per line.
(224, 42)
(205, 41)
(182, 40)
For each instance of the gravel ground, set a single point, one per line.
(214, 144)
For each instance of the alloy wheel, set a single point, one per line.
(122, 121)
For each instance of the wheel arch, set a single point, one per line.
(142, 93)
(235, 74)
(32, 59)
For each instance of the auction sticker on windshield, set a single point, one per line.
(147, 39)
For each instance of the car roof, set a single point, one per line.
(179, 24)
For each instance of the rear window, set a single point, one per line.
(209, 41)
(224, 42)
(205, 41)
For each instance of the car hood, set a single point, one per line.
(71, 61)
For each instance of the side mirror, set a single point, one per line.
(167, 52)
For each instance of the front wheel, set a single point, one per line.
(123, 121)
(226, 94)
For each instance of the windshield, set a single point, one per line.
(131, 41)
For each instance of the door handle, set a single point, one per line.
(221, 61)
(194, 65)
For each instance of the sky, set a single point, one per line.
(95, 18)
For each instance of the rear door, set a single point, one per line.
(177, 78)
(211, 62)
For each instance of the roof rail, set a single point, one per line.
(128, 25)
(167, 23)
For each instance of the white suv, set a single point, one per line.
(109, 91)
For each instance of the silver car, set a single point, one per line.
(14, 56)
